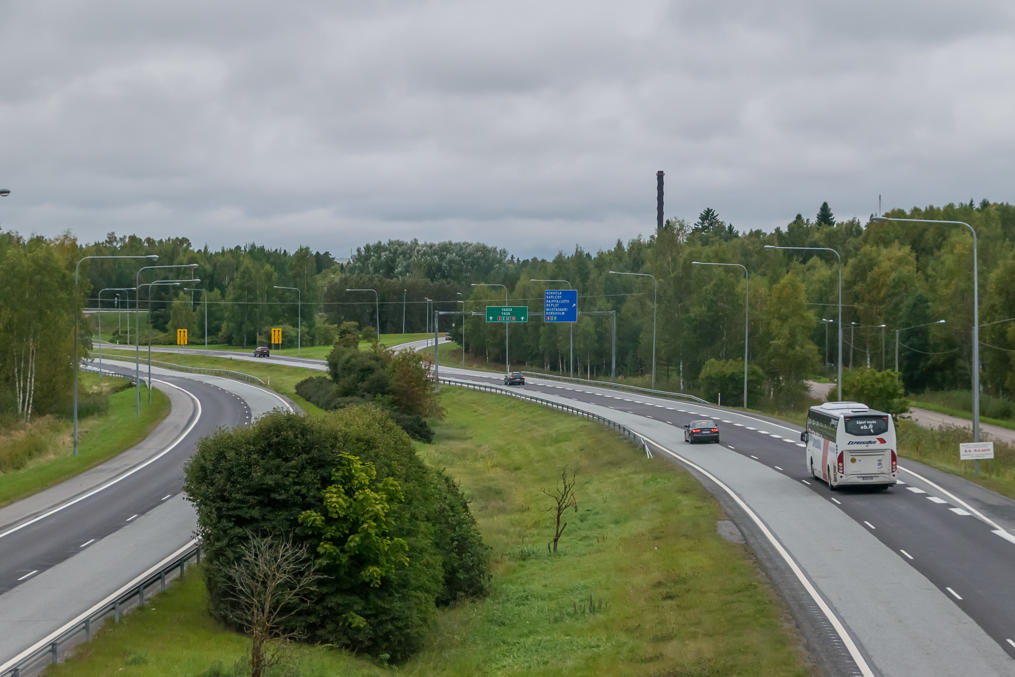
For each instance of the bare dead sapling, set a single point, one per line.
(563, 497)
(271, 581)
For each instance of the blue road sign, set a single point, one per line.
(560, 305)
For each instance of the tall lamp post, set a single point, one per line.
(99, 299)
(507, 357)
(838, 379)
(902, 329)
(76, 360)
(655, 289)
(975, 367)
(826, 321)
(462, 301)
(299, 315)
(137, 324)
(377, 307)
(403, 309)
(157, 283)
(570, 350)
(747, 283)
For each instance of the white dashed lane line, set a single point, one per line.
(869, 524)
(29, 574)
(1012, 642)
(806, 482)
(87, 543)
(739, 425)
(916, 490)
(908, 556)
(132, 517)
(754, 457)
(935, 499)
(959, 511)
(954, 594)
(777, 467)
(167, 496)
(835, 500)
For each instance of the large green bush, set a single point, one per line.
(392, 538)
(877, 389)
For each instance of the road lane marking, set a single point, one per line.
(132, 517)
(835, 500)
(801, 445)
(916, 490)
(935, 499)
(119, 478)
(1004, 534)
(959, 511)
(869, 524)
(755, 457)
(954, 594)
(1010, 642)
(777, 467)
(87, 543)
(749, 427)
(739, 425)
(958, 501)
(165, 497)
(806, 482)
(30, 573)
(908, 556)
(833, 619)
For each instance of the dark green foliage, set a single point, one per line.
(880, 390)
(392, 538)
(466, 558)
(358, 373)
(825, 216)
(727, 377)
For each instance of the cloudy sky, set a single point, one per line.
(533, 126)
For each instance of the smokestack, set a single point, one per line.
(659, 199)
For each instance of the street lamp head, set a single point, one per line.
(940, 322)
(153, 257)
(4, 192)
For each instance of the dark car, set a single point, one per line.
(515, 378)
(262, 351)
(704, 430)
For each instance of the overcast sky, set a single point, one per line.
(533, 126)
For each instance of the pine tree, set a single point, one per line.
(825, 216)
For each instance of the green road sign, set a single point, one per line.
(507, 313)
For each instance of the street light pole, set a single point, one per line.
(137, 325)
(507, 357)
(826, 322)
(655, 289)
(463, 328)
(839, 323)
(157, 283)
(377, 317)
(403, 310)
(747, 283)
(76, 359)
(299, 315)
(98, 296)
(975, 367)
(570, 350)
(204, 297)
(902, 329)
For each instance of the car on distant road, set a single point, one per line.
(262, 351)
(703, 430)
(515, 378)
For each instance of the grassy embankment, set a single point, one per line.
(642, 584)
(41, 454)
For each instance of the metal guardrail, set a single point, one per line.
(614, 384)
(207, 371)
(560, 406)
(58, 644)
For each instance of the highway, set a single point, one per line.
(915, 580)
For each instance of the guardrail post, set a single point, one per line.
(88, 629)
(116, 611)
(54, 649)
(140, 595)
(162, 580)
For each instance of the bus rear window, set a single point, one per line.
(866, 425)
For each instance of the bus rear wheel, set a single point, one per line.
(831, 481)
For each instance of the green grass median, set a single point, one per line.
(641, 582)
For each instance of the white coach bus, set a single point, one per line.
(849, 443)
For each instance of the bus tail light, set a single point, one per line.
(895, 462)
(841, 463)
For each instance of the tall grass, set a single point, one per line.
(939, 448)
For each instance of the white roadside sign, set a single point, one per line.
(972, 451)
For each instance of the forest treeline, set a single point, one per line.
(895, 276)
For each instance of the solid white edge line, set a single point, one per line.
(77, 620)
(119, 478)
(840, 630)
(954, 594)
(956, 499)
(908, 556)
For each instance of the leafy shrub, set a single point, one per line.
(321, 391)
(727, 377)
(336, 473)
(877, 389)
